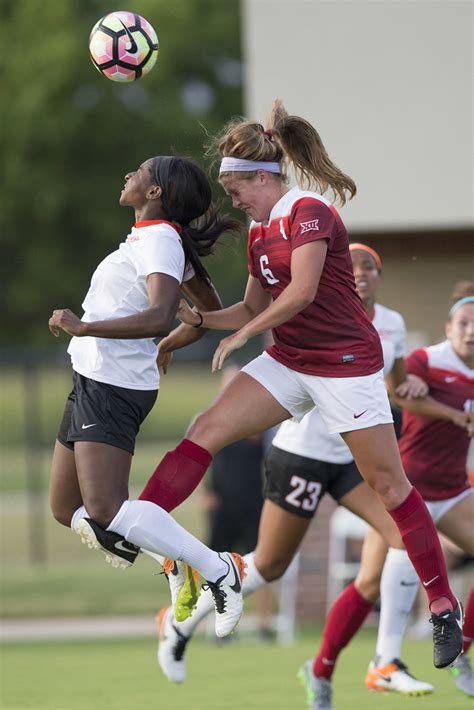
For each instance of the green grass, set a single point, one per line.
(123, 675)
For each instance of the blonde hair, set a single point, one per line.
(286, 140)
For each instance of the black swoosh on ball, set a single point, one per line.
(133, 45)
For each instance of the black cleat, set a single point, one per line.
(447, 636)
(118, 551)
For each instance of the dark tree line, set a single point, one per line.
(68, 136)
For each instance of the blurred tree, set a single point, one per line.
(69, 135)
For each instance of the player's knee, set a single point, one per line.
(102, 511)
(201, 427)
(388, 488)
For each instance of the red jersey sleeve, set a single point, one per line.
(311, 219)
(417, 363)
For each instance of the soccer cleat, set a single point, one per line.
(227, 594)
(117, 550)
(463, 676)
(184, 587)
(171, 647)
(318, 690)
(395, 678)
(447, 636)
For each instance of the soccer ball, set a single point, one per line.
(123, 46)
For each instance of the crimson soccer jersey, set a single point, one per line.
(333, 336)
(434, 451)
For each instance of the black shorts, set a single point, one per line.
(234, 529)
(104, 413)
(297, 484)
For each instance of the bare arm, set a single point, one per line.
(204, 296)
(163, 297)
(396, 376)
(399, 382)
(257, 313)
(429, 407)
(234, 317)
(307, 263)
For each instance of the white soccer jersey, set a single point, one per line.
(309, 437)
(391, 329)
(118, 289)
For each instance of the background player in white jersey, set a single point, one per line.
(133, 297)
(434, 449)
(303, 464)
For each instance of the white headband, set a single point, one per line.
(231, 165)
(461, 302)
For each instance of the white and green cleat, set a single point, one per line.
(184, 587)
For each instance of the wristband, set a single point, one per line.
(198, 325)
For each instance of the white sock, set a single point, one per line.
(398, 589)
(150, 527)
(253, 580)
(78, 515)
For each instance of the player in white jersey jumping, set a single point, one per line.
(133, 298)
(303, 464)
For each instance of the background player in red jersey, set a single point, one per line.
(326, 351)
(434, 444)
(434, 450)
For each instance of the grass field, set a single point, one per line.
(236, 676)
(73, 580)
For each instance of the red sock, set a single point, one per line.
(423, 547)
(345, 618)
(468, 628)
(177, 475)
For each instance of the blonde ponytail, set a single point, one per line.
(287, 140)
(304, 148)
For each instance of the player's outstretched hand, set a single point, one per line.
(226, 347)
(64, 319)
(412, 388)
(186, 314)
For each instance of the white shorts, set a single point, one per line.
(345, 403)
(438, 508)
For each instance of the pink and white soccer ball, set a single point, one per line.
(123, 46)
